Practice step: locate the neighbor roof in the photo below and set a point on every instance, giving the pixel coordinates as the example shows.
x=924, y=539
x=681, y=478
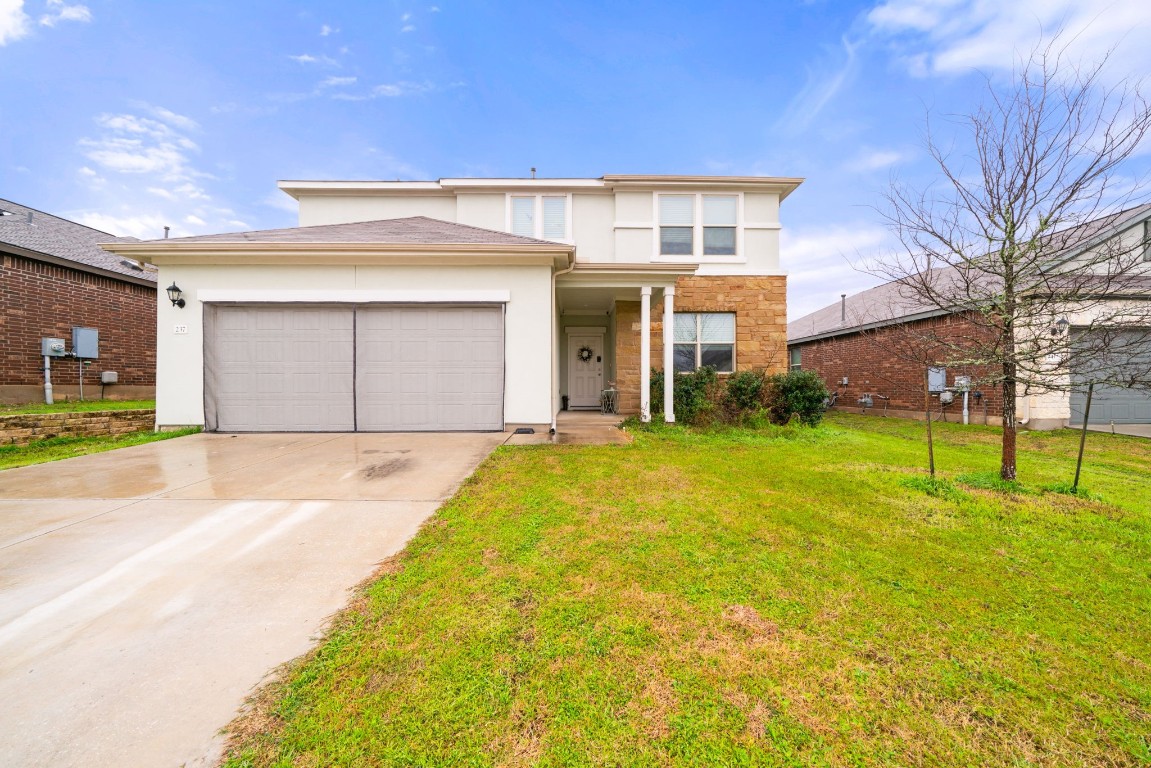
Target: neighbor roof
x=414, y=230
x=895, y=302
x=34, y=234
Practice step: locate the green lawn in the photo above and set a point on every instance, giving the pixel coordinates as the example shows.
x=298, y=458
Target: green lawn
x=77, y=405
x=780, y=597
x=57, y=448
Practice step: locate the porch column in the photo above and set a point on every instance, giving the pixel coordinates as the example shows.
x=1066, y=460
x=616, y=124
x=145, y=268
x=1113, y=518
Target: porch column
x=645, y=353
x=668, y=359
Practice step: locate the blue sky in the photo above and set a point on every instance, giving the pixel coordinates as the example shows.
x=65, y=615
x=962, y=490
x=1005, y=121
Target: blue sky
x=128, y=114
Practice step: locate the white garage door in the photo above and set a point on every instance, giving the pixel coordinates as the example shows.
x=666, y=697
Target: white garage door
x=341, y=369
x=280, y=369
x=1121, y=405
x=429, y=368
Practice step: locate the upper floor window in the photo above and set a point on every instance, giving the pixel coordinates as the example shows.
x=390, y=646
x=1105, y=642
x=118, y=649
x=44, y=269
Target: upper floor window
x=698, y=225
x=544, y=217
x=1147, y=240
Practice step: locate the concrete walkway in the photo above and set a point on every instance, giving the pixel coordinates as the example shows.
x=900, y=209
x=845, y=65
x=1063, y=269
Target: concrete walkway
x=579, y=428
x=144, y=592
x=1134, y=430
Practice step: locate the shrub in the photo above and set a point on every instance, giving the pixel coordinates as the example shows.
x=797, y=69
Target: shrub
x=796, y=393
x=695, y=395
x=745, y=390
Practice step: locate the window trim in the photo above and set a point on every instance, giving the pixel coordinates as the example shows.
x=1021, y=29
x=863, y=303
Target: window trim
x=699, y=342
x=795, y=359
x=697, y=255
x=538, y=214
x=1146, y=242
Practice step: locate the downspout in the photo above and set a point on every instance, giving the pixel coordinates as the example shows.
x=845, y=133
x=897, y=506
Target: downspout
x=1026, y=410
x=555, y=341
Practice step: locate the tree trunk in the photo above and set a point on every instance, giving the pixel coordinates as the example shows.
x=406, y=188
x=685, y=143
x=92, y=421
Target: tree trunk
x=1007, y=456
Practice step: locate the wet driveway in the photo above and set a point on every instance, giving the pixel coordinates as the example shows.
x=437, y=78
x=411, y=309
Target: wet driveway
x=145, y=591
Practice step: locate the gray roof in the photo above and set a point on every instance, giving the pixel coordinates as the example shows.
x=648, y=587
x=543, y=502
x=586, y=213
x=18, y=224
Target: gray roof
x=61, y=240
x=894, y=301
x=415, y=230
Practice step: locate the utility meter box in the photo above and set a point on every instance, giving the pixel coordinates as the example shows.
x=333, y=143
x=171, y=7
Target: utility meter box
x=963, y=383
x=50, y=347
x=109, y=377
x=86, y=343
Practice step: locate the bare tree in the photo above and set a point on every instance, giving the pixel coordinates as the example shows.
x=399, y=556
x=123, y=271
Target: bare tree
x=1018, y=234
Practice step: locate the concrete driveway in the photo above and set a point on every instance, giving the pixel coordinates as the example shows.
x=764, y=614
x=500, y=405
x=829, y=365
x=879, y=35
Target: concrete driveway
x=144, y=592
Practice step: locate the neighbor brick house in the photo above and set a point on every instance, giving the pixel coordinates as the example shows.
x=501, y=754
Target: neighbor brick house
x=874, y=340
x=54, y=276
x=469, y=303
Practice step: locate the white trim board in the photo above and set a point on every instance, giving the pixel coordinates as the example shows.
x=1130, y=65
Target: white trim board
x=352, y=296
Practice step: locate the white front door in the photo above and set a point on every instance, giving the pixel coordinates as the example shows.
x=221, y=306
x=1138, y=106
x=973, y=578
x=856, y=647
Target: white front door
x=585, y=376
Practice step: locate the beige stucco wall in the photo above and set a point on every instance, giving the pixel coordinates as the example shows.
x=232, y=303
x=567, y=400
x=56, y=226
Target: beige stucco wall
x=487, y=210
x=344, y=209
x=528, y=324
x=592, y=220
x=606, y=226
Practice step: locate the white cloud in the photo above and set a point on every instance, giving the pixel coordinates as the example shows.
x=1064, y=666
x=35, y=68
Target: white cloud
x=307, y=58
x=406, y=17
x=337, y=82
x=821, y=87
x=143, y=226
x=13, y=21
x=58, y=11
x=388, y=90
x=877, y=159
x=408, y=28
x=434, y=9
x=195, y=221
x=824, y=263
x=957, y=36
x=326, y=30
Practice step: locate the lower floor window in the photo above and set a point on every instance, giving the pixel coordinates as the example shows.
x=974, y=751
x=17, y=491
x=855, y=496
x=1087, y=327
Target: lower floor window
x=704, y=338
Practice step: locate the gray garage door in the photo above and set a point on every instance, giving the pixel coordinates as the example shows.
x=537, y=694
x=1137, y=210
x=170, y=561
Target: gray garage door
x=1118, y=404
x=342, y=369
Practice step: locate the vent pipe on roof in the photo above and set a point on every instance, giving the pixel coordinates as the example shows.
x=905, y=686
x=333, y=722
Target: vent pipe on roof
x=843, y=308
x=533, y=173
x=29, y=217
x=166, y=232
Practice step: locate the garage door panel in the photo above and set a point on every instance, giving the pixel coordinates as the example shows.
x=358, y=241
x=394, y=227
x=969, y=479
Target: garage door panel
x=417, y=368
x=1118, y=404
x=279, y=369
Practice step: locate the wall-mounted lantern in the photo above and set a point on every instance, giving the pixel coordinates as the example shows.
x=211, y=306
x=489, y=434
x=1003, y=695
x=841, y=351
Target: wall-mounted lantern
x=176, y=295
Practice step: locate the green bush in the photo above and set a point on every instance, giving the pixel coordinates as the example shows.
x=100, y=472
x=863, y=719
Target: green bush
x=745, y=397
x=798, y=394
x=695, y=396
x=745, y=390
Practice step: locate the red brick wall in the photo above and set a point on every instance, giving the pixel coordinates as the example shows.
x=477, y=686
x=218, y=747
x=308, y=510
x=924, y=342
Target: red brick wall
x=38, y=299
x=876, y=362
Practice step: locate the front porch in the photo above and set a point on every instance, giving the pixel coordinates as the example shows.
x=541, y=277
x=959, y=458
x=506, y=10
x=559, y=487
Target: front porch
x=606, y=316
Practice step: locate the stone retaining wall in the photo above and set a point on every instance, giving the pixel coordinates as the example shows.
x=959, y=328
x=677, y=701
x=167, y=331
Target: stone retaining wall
x=24, y=428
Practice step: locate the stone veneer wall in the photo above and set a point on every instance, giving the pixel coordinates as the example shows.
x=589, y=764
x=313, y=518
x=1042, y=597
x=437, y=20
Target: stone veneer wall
x=24, y=428
x=760, y=307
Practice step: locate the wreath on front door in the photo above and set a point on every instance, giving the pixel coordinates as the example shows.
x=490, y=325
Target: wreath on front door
x=585, y=354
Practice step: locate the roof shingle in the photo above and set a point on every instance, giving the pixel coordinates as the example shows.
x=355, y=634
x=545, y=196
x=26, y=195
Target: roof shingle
x=63, y=239
x=414, y=230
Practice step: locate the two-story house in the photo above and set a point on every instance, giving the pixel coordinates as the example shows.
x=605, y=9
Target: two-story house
x=468, y=304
